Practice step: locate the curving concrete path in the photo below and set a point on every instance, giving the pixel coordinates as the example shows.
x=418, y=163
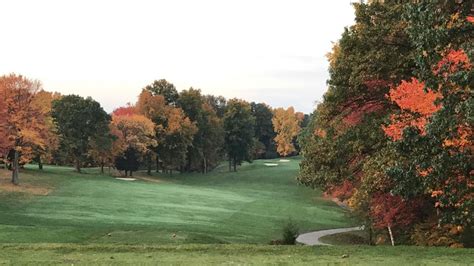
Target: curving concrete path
x=312, y=238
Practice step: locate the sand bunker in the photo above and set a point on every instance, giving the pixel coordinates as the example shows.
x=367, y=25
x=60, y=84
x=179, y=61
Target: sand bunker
x=126, y=178
x=271, y=164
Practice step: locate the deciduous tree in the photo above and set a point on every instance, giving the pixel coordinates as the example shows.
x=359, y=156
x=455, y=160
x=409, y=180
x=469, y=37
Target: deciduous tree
x=24, y=121
x=165, y=89
x=239, y=132
x=264, y=132
x=286, y=124
x=79, y=121
x=205, y=151
x=43, y=102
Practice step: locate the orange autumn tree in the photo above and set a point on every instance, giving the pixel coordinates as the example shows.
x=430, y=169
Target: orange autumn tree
x=286, y=124
x=137, y=130
x=24, y=122
x=43, y=102
x=416, y=105
x=442, y=121
x=174, y=131
x=5, y=143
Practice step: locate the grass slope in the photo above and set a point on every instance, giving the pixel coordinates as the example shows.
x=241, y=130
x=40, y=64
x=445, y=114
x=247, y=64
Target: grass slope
x=249, y=206
x=240, y=254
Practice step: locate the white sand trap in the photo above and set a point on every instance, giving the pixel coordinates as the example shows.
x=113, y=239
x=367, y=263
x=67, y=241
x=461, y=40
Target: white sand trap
x=126, y=178
x=271, y=164
x=284, y=160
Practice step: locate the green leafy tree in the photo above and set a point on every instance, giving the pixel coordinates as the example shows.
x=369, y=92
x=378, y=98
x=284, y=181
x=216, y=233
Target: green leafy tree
x=204, y=153
x=174, y=130
x=218, y=103
x=79, y=121
x=441, y=32
x=165, y=89
x=264, y=129
x=345, y=132
x=239, y=132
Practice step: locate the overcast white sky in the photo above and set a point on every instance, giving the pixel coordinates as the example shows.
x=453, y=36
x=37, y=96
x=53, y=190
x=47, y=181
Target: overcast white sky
x=266, y=51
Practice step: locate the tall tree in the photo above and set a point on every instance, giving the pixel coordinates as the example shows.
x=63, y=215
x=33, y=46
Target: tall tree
x=264, y=132
x=287, y=126
x=138, y=133
x=79, y=121
x=239, y=132
x=204, y=152
x=105, y=149
x=346, y=134
x=5, y=142
x=441, y=119
x=128, y=161
x=177, y=137
x=43, y=101
x=165, y=89
x=218, y=103
x=400, y=82
x=174, y=131
x=23, y=121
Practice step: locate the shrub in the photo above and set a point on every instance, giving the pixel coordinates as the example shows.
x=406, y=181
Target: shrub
x=290, y=233
x=429, y=234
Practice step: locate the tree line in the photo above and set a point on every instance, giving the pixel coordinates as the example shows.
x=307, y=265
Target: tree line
x=393, y=136
x=164, y=131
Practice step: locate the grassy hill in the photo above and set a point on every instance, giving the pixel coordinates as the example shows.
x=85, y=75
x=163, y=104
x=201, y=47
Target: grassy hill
x=59, y=217
x=57, y=205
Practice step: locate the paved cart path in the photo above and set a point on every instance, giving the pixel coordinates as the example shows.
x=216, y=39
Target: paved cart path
x=312, y=238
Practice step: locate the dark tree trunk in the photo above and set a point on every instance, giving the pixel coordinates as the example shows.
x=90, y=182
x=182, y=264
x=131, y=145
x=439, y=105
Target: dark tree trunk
x=235, y=165
x=149, y=165
x=78, y=165
x=370, y=236
x=40, y=163
x=15, y=168
x=102, y=164
x=157, y=164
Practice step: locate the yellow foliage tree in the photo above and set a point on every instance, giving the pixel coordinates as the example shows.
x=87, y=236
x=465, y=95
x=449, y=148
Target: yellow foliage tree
x=24, y=122
x=43, y=102
x=286, y=124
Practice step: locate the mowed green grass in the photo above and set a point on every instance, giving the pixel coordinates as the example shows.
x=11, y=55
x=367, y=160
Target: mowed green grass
x=229, y=254
x=250, y=206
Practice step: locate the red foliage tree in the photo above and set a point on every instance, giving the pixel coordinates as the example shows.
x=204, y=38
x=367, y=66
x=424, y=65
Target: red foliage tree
x=128, y=110
x=453, y=61
x=343, y=191
x=389, y=211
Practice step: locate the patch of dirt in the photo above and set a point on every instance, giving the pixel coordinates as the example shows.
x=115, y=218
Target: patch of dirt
x=23, y=187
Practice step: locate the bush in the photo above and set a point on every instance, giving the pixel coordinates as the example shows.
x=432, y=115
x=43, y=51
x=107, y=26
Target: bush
x=290, y=233
x=467, y=236
x=429, y=234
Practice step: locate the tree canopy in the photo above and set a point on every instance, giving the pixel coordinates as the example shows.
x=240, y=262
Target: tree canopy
x=79, y=121
x=392, y=134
